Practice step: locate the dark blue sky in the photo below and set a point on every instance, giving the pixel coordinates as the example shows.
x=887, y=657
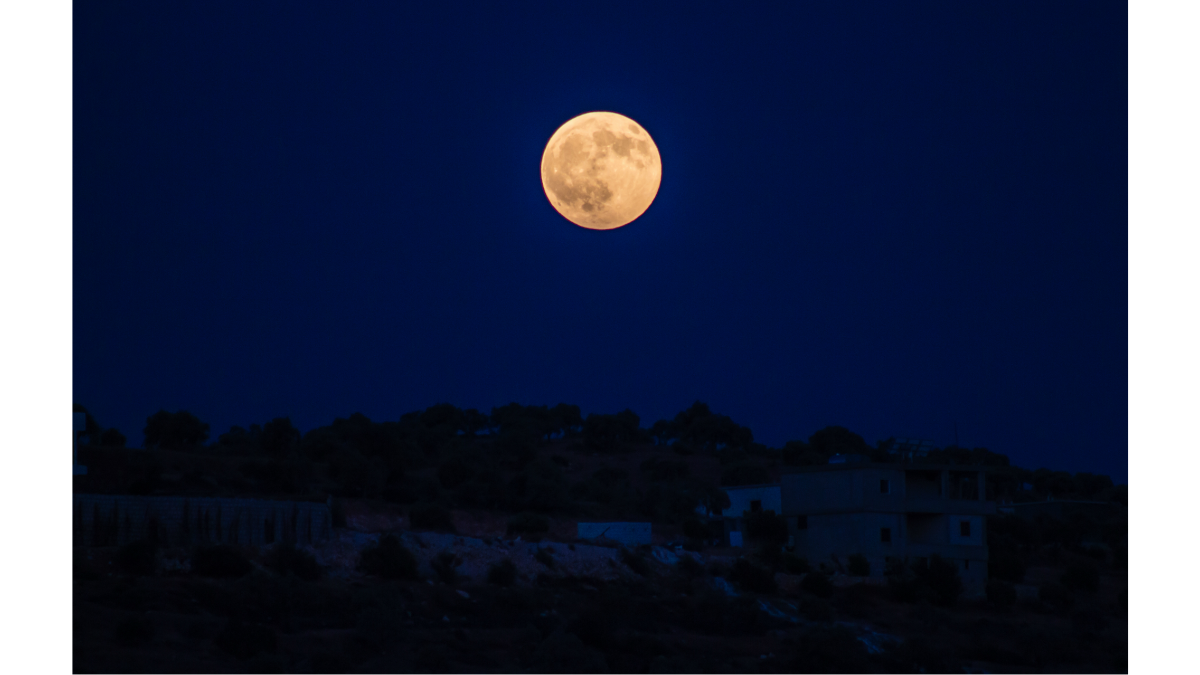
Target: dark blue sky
x=895, y=217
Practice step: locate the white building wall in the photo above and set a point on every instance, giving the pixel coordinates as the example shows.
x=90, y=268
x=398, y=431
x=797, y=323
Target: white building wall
x=740, y=498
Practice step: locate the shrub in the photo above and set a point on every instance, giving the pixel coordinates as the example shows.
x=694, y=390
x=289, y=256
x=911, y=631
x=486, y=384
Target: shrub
x=818, y=584
x=717, y=569
x=694, y=529
x=694, y=545
x=941, y=577
x=1005, y=564
x=859, y=566
x=431, y=517
x=1081, y=576
x=1056, y=596
x=770, y=555
x=455, y=471
x=337, y=512
x=793, y=564
x=134, y=631
x=82, y=568
x=766, y=527
x=443, y=565
x=221, y=561
x=528, y=523
x=544, y=556
x=138, y=557
x=245, y=640
x=635, y=562
x=752, y=578
x=284, y=559
x=1001, y=593
x=816, y=610
x=689, y=566
x=388, y=559
x=503, y=573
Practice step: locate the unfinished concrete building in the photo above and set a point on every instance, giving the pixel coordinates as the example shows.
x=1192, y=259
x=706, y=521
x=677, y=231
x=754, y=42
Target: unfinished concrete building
x=884, y=511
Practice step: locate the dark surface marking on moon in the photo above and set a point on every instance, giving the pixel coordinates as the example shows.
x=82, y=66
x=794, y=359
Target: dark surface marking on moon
x=619, y=144
x=634, y=128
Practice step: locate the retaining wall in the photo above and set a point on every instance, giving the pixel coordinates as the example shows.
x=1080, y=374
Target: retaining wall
x=112, y=520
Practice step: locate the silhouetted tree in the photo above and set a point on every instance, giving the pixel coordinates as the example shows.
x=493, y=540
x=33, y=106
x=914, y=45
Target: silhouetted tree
x=700, y=428
x=835, y=440
x=280, y=438
x=174, y=431
x=608, y=432
x=111, y=438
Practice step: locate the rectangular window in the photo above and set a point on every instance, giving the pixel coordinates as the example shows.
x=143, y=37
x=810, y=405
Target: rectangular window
x=885, y=535
x=755, y=506
x=964, y=528
x=801, y=522
x=885, y=487
x=967, y=565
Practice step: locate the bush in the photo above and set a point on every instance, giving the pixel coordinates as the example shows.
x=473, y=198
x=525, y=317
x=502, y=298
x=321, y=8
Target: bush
x=752, y=577
x=528, y=523
x=694, y=545
x=134, y=631
x=1081, y=576
x=818, y=584
x=388, y=559
x=1005, y=564
x=635, y=562
x=503, y=573
x=284, y=559
x=1001, y=593
x=1056, y=596
x=767, y=528
x=443, y=565
x=431, y=517
x=337, y=512
x=82, y=568
x=694, y=529
x=858, y=565
x=543, y=556
x=221, y=561
x=941, y=577
x=138, y=557
x=689, y=566
x=246, y=640
x=793, y=564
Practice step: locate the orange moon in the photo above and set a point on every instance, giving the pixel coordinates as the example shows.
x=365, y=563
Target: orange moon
x=601, y=170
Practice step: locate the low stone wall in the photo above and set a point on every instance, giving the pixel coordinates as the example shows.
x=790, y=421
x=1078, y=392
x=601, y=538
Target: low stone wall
x=630, y=534
x=113, y=520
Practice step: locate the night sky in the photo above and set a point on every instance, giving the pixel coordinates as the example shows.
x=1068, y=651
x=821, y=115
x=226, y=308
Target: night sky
x=901, y=218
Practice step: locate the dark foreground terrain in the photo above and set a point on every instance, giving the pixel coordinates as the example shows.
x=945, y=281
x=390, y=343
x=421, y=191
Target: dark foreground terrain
x=240, y=616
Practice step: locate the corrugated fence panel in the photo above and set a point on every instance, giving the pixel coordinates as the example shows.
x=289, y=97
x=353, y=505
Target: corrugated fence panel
x=112, y=520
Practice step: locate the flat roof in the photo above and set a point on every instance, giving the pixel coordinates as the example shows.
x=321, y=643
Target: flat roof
x=856, y=466
x=753, y=485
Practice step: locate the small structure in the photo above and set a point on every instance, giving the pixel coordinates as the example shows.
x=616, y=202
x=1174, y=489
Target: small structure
x=629, y=534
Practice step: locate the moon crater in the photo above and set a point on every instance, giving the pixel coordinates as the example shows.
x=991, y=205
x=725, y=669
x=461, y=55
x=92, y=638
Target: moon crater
x=601, y=170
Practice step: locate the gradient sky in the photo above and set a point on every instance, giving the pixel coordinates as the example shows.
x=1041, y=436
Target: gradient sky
x=900, y=218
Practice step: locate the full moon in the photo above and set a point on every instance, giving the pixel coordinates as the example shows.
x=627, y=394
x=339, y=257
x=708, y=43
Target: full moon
x=601, y=170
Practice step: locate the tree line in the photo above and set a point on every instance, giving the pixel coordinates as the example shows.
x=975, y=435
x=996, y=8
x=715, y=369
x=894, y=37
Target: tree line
x=365, y=453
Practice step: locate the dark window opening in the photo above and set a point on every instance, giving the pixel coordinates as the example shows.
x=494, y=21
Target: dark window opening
x=885, y=535
x=967, y=565
x=964, y=528
x=755, y=505
x=801, y=522
x=885, y=486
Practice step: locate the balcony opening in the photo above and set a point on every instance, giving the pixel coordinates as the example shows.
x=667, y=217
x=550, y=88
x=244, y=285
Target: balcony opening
x=964, y=528
x=801, y=522
x=755, y=505
x=885, y=486
x=885, y=535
